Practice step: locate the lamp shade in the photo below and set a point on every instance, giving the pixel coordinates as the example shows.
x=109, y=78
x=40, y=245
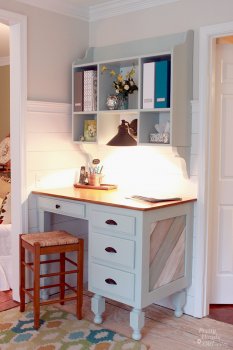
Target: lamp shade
x=123, y=137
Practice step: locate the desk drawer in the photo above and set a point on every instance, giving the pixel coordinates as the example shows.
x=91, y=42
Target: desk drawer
x=62, y=207
x=113, y=250
x=112, y=281
x=113, y=222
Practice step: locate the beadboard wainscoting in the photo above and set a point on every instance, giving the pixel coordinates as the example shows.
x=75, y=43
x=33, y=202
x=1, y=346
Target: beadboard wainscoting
x=52, y=157
x=54, y=160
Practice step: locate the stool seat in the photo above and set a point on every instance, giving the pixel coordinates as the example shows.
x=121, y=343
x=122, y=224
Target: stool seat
x=51, y=238
x=46, y=243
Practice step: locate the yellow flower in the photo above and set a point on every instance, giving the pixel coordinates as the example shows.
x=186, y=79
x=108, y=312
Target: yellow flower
x=131, y=73
x=122, y=84
x=120, y=77
x=103, y=69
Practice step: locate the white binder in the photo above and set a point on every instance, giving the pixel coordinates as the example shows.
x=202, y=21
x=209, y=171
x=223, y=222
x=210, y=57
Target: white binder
x=148, y=85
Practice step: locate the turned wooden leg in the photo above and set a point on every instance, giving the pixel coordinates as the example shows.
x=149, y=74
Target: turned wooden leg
x=98, y=307
x=137, y=320
x=179, y=300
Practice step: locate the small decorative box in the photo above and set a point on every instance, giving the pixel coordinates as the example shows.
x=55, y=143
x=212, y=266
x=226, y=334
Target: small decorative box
x=162, y=137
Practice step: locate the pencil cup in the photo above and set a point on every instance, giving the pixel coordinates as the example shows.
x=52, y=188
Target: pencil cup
x=94, y=179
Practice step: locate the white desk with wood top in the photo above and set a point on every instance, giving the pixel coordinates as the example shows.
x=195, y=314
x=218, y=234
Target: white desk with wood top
x=138, y=252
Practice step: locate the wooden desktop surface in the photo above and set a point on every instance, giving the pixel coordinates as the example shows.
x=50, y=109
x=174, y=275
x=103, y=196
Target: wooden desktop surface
x=113, y=198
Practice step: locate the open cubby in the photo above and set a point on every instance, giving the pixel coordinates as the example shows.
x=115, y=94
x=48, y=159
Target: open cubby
x=148, y=120
x=78, y=126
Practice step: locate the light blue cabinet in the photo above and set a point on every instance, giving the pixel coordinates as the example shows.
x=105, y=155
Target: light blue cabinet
x=138, y=253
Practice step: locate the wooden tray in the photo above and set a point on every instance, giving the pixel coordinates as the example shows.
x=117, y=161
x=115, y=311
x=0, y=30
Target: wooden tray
x=101, y=187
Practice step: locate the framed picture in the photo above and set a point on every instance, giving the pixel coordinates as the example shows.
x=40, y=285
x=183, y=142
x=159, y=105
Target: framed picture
x=90, y=129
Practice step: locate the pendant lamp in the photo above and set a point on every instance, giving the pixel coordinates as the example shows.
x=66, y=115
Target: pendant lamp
x=124, y=137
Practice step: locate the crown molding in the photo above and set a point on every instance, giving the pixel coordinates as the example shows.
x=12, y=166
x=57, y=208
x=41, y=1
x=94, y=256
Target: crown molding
x=119, y=7
x=60, y=6
x=96, y=12
x=4, y=61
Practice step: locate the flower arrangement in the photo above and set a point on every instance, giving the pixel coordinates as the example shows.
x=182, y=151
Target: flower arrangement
x=122, y=85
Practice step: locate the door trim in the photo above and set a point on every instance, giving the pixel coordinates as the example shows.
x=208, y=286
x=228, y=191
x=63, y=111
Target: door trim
x=18, y=102
x=206, y=63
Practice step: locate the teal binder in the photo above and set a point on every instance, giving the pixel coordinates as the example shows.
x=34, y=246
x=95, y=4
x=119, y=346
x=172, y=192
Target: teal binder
x=162, y=83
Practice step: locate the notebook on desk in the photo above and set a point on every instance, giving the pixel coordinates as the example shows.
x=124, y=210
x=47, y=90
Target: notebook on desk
x=154, y=200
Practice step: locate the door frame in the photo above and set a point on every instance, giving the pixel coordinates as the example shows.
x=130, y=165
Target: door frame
x=206, y=65
x=18, y=109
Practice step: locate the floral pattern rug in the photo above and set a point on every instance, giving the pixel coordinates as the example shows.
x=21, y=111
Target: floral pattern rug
x=59, y=330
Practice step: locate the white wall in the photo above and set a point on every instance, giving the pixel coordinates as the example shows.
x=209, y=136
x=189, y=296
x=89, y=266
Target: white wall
x=54, y=42
x=54, y=160
x=52, y=157
x=162, y=20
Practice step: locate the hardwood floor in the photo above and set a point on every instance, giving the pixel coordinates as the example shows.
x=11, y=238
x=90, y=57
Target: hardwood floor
x=162, y=331
x=223, y=313
x=6, y=301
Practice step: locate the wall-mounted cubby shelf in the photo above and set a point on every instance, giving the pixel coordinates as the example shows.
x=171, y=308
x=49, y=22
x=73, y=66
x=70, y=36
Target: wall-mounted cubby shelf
x=177, y=51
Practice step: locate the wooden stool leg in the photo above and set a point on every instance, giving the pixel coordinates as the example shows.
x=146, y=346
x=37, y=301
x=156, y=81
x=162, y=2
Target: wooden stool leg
x=62, y=277
x=22, y=275
x=36, y=296
x=80, y=280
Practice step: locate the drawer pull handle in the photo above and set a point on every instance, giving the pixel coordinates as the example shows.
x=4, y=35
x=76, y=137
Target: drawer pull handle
x=57, y=206
x=110, y=250
x=111, y=222
x=110, y=281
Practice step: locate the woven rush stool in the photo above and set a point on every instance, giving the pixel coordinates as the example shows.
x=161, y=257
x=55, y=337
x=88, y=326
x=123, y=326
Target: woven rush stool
x=51, y=243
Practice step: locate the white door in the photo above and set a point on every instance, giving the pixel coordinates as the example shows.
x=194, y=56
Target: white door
x=222, y=186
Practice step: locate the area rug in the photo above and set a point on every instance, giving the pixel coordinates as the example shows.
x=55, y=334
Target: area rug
x=59, y=330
